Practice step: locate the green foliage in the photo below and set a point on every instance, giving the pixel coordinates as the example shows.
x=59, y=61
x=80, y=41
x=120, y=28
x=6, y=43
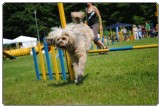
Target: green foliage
x=19, y=19
x=138, y=20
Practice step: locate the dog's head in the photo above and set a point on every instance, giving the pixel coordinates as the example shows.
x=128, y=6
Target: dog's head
x=52, y=36
x=65, y=40
x=77, y=16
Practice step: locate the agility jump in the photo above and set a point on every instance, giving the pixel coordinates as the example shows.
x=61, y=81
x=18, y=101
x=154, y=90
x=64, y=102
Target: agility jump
x=124, y=48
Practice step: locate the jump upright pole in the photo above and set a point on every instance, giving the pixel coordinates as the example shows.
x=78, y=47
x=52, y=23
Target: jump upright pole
x=124, y=48
x=63, y=23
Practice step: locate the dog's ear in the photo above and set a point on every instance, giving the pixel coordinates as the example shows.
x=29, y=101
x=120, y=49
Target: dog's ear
x=70, y=36
x=51, y=38
x=73, y=14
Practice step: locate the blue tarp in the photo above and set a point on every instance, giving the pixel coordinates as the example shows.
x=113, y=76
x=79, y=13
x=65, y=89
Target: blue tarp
x=118, y=25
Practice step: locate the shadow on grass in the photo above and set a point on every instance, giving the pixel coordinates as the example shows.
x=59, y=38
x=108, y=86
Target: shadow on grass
x=66, y=82
x=98, y=54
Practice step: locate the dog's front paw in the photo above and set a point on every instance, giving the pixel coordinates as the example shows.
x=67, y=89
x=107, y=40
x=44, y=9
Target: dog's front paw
x=78, y=80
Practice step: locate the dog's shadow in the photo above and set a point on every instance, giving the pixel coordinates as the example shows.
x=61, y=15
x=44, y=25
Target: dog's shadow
x=66, y=82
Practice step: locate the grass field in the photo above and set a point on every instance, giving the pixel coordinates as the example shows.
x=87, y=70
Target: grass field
x=119, y=78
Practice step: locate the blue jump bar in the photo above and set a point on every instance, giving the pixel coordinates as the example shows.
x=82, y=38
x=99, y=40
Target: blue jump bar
x=122, y=48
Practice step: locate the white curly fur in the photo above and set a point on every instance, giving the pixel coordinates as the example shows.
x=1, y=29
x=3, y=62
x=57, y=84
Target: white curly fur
x=76, y=39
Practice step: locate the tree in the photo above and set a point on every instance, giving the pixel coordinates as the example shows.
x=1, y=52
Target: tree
x=18, y=18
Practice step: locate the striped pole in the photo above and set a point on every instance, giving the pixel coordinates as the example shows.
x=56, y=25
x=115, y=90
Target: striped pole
x=145, y=46
x=63, y=24
x=124, y=48
x=47, y=59
x=55, y=62
x=62, y=64
x=35, y=63
x=41, y=61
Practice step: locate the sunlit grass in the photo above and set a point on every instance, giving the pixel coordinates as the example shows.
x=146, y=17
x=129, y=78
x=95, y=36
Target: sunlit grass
x=119, y=78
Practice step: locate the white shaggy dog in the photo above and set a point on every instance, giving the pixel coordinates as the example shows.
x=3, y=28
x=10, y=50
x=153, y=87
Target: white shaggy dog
x=76, y=39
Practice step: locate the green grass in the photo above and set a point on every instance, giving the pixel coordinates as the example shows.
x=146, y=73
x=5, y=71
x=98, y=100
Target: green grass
x=119, y=78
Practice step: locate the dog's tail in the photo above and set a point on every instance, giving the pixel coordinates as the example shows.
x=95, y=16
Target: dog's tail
x=77, y=17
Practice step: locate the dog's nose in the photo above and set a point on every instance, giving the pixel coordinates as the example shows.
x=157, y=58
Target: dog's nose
x=59, y=40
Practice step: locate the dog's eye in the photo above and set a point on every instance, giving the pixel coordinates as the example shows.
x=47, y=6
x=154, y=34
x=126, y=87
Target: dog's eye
x=58, y=39
x=63, y=38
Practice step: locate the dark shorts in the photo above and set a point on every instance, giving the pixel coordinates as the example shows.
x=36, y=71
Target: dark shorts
x=95, y=27
x=143, y=33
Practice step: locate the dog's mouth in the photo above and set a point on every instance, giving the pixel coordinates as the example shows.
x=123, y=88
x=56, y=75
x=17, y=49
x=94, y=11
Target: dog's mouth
x=61, y=46
x=77, y=18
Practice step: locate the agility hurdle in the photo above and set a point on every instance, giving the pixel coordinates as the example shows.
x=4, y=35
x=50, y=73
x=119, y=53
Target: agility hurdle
x=124, y=48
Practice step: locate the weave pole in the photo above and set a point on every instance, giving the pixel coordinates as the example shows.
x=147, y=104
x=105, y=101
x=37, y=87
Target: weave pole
x=55, y=62
x=63, y=24
x=62, y=64
x=41, y=62
x=55, y=65
x=124, y=48
x=35, y=63
x=47, y=59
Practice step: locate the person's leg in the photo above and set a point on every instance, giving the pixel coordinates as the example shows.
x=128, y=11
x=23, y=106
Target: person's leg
x=141, y=34
x=134, y=36
x=97, y=41
x=125, y=36
x=137, y=36
x=100, y=44
x=147, y=34
x=144, y=34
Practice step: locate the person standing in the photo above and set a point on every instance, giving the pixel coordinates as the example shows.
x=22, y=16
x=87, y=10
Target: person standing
x=143, y=32
x=92, y=17
x=147, y=29
x=124, y=31
x=135, y=32
x=155, y=31
x=140, y=31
